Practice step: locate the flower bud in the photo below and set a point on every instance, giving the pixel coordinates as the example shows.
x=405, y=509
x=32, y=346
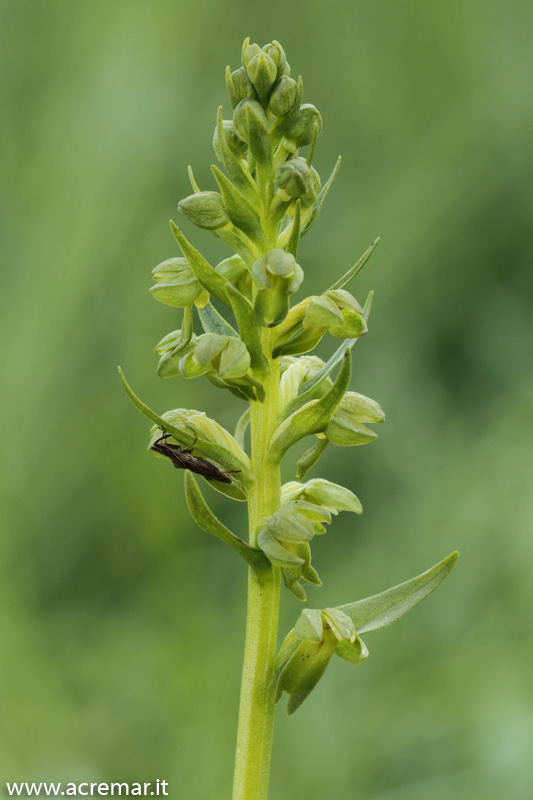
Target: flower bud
x=278, y=276
x=236, y=145
x=176, y=284
x=347, y=427
x=298, y=180
x=249, y=52
x=240, y=121
x=283, y=96
x=242, y=85
x=262, y=71
x=277, y=54
x=205, y=209
x=303, y=126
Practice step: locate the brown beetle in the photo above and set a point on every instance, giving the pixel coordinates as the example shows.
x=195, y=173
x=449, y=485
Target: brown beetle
x=183, y=459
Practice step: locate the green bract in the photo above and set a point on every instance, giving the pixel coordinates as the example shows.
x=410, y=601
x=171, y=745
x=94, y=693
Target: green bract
x=241, y=329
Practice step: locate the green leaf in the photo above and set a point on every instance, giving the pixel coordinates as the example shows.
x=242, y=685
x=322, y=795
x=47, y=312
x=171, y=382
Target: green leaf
x=261, y=150
x=308, y=459
x=206, y=274
x=206, y=520
x=240, y=177
x=213, y=322
x=312, y=417
x=240, y=211
x=306, y=388
x=383, y=609
x=294, y=238
x=347, y=277
x=242, y=427
x=248, y=327
x=319, y=202
x=239, y=243
x=192, y=180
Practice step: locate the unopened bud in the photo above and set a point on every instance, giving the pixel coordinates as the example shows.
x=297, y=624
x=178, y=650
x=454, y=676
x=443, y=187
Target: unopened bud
x=303, y=126
x=242, y=85
x=283, y=96
x=277, y=54
x=240, y=117
x=262, y=71
x=205, y=209
x=298, y=180
x=249, y=52
x=236, y=145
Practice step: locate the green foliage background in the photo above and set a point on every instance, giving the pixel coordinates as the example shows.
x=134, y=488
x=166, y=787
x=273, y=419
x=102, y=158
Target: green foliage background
x=121, y=624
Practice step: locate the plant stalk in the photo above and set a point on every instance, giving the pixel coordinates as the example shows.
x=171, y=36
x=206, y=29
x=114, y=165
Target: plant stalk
x=256, y=710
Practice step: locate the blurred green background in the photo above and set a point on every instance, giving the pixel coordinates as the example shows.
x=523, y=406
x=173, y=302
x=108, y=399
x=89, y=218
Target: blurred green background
x=122, y=624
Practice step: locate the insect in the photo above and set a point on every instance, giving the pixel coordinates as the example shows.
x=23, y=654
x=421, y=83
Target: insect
x=183, y=459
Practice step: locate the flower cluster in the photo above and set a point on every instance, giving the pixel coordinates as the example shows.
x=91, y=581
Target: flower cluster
x=241, y=331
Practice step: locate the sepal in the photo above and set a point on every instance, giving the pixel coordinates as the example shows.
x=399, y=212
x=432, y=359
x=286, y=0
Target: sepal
x=338, y=312
x=323, y=493
x=171, y=350
x=235, y=271
x=347, y=426
x=284, y=538
x=226, y=356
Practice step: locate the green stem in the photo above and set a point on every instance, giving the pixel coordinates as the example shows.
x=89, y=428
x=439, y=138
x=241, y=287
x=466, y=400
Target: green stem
x=256, y=711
